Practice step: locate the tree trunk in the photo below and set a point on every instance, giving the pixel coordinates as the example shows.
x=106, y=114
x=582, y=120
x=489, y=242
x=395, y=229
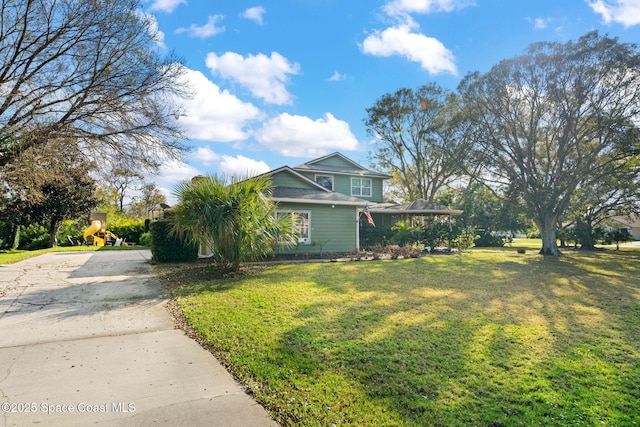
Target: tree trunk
x=53, y=226
x=548, y=234
x=15, y=236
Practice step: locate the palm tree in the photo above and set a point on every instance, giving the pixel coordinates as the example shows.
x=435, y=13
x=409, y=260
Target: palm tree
x=236, y=220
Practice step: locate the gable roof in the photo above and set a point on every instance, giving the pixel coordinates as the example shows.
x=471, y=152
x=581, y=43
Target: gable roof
x=344, y=166
x=632, y=221
x=316, y=197
x=309, y=192
x=297, y=176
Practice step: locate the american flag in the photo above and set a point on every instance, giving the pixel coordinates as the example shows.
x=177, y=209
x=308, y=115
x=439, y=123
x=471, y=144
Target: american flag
x=367, y=213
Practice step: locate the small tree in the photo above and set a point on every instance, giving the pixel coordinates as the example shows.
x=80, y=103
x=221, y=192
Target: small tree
x=49, y=183
x=236, y=220
x=121, y=180
x=150, y=199
x=619, y=235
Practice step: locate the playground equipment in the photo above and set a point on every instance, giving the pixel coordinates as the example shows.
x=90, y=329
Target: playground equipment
x=98, y=235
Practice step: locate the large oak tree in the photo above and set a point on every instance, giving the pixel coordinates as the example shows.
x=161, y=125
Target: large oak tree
x=558, y=118
x=86, y=71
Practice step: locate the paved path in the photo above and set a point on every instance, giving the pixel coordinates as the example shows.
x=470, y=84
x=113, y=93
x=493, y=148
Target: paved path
x=85, y=336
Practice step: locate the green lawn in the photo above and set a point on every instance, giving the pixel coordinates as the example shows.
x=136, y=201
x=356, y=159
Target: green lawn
x=487, y=338
x=13, y=256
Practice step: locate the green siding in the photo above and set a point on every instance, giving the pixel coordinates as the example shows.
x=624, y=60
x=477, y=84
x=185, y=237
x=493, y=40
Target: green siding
x=377, y=191
x=336, y=161
x=336, y=226
x=311, y=175
x=286, y=179
x=342, y=184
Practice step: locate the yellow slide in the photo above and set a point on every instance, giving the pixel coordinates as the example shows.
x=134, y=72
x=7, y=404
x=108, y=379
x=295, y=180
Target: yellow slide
x=107, y=237
x=95, y=227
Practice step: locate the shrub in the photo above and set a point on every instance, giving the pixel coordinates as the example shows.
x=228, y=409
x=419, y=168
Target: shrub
x=486, y=239
x=404, y=234
x=145, y=239
x=437, y=234
x=127, y=228
x=372, y=236
x=167, y=248
x=70, y=229
x=34, y=237
x=465, y=239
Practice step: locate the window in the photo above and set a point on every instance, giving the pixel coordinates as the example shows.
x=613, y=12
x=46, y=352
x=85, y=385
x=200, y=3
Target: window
x=361, y=187
x=301, y=224
x=326, y=181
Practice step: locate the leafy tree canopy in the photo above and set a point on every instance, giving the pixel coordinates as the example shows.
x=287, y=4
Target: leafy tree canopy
x=558, y=118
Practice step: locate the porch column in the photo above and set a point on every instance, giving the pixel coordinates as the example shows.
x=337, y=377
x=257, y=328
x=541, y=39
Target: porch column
x=357, y=229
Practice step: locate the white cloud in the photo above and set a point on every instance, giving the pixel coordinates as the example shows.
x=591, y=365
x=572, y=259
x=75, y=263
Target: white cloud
x=166, y=5
x=401, y=7
x=207, y=30
x=626, y=12
x=255, y=14
x=173, y=171
x=429, y=52
x=540, y=23
x=213, y=114
x=170, y=173
x=205, y=155
x=264, y=76
x=229, y=166
x=300, y=136
x=241, y=166
x=152, y=25
x=336, y=76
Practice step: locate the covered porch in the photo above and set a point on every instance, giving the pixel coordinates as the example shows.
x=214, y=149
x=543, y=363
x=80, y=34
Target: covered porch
x=413, y=213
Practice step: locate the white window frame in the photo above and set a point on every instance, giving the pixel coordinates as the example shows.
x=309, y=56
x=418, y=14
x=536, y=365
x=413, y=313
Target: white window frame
x=299, y=229
x=324, y=176
x=360, y=187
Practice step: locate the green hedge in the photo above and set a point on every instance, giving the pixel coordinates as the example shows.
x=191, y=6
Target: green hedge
x=165, y=248
x=128, y=229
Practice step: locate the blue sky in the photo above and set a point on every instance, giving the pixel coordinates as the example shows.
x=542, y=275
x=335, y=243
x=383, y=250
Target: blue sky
x=281, y=82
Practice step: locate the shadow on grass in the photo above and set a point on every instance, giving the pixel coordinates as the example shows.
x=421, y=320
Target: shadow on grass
x=469, y=340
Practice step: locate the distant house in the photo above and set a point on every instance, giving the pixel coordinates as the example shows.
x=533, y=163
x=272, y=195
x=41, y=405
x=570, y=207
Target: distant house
x=327, y=198
x=632, y=224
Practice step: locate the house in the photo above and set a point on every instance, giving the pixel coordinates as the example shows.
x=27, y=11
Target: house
x=326, y=198
x=632, y=224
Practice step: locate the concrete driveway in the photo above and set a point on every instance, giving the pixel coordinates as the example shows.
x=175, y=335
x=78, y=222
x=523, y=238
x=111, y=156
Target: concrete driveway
x=85, y=339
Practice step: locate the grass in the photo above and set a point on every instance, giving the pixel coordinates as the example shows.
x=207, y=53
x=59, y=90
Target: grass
x=488, y=338
x=13, y=256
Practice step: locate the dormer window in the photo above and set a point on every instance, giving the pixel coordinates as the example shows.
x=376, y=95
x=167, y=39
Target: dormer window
x=326, y=181
x=361, y=187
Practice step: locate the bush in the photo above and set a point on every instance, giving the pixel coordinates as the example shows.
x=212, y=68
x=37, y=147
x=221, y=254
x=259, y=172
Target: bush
x=372, y=236
x=437, y=234
x=488, y=240
x=166, y=248
x=34, y=237
x=465, y=240
x=128, y=229
x=70, y=229
x=145, y=239
x=404, y=234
